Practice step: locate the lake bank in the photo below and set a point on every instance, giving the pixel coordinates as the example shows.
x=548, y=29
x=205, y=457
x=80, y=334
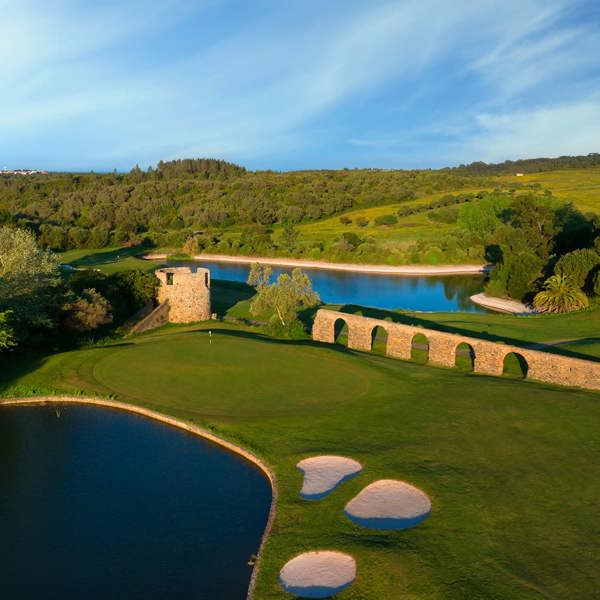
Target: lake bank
x=502, y=305
x=418, y=270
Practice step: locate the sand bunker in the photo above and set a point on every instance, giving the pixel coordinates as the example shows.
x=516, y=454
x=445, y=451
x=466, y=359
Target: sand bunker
x=322, y=474
x=389, y=504
x=318, y=574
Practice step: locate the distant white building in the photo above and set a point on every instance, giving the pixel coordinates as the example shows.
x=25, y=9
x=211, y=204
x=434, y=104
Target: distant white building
x=519, y=174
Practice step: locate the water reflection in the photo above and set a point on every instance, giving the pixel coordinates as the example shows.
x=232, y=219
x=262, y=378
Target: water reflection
x=101, y=504
x=443, y=293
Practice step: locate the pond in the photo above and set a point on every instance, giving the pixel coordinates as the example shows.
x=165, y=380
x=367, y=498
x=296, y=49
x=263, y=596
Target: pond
x=448, y=293
x=96, y=503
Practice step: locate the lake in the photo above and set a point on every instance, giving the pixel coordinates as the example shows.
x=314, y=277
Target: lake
x=97, y=504
x=447, y=293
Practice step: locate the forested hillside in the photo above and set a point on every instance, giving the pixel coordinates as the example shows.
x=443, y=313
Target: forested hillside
x=179, y=197
x=529, y=165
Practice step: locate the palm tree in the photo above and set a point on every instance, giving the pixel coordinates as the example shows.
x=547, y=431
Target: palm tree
x=559, y=295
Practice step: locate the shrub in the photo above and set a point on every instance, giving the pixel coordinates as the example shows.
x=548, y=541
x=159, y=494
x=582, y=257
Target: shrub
x=578, y=266
x=386, y=220
x=345, y=220
x=560, y=295
x=362, y=221
x=88, y=312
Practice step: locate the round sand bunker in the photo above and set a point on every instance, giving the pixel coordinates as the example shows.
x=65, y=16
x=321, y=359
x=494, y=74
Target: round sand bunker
x=322, y=474
x=318, y=574
x=389, y=504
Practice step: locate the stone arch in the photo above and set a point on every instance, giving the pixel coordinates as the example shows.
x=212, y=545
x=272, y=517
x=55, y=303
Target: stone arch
x=464, y=356
x=419, y=348
x=515, y=365
x=341, y=331
x=379, y=339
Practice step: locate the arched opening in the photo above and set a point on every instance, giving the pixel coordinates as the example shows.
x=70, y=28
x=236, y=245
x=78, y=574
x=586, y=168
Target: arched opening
x=464, y=358
x=419, y=351
x=340, y=332
x=379, y=338
x=515, y=366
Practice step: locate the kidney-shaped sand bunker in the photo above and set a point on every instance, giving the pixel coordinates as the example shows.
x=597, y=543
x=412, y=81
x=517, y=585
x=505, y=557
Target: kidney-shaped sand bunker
x=389, y=504
x=318, y=574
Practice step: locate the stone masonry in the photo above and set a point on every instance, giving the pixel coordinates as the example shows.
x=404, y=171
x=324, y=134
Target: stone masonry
x=186, y=292
x=488, y=356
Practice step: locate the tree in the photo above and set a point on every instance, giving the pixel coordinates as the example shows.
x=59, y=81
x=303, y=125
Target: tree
x=284, y=298
x=29, y=280
x=259, y=275
x=537, y=219
x=516, y=275
x=560, y=295
x=7, y=334
x=289, y=235
x=578, y=266
x=88, y=312
x=483, y=217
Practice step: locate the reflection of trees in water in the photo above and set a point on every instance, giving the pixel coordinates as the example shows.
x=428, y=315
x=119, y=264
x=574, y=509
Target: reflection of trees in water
x=461, y=288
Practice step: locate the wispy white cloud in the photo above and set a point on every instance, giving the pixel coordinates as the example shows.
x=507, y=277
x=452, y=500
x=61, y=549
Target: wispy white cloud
x=449, y=74
x=545, y=131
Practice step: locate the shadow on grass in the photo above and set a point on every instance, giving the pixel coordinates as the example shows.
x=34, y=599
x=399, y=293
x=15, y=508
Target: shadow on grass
x=19, y=365
x=262, y=337
x=226, y=294
x=103, y=257
x=411, y=319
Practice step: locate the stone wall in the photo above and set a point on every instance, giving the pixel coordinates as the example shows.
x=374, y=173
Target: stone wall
x=157, y=317
x=187, y=293
x=488, y=356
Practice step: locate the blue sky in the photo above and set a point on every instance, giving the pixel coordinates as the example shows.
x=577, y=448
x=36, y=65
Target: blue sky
x=297, y=84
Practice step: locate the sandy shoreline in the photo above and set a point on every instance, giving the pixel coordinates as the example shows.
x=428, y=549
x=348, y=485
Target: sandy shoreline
x=329, y=266
x=156, y=416
x=501, y=304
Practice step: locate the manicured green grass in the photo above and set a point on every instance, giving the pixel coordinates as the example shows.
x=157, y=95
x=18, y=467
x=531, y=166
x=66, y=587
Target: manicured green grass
x=512, y=468
x=582, y=327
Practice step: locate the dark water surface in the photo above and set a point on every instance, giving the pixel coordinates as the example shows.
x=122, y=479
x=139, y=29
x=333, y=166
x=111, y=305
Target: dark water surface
x=104, y=504
x=431, y=294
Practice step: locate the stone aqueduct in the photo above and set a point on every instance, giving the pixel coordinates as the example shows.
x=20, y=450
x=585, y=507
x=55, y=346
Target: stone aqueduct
x=488, y=357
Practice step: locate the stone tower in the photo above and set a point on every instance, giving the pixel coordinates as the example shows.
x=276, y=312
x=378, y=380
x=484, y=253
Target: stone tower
x=187, y=293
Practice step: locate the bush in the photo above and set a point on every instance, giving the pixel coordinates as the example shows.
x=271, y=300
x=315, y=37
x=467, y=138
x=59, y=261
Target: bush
x=88, y=312
x=345, y=220
x=578, y=266
x=386, y=220
x=362, y=221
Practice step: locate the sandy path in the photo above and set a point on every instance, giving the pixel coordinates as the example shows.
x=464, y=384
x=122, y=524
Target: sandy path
x=322, y=264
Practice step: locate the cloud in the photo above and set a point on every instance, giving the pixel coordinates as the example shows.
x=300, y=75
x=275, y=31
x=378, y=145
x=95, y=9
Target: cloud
x=396, y=82
x=546, y=131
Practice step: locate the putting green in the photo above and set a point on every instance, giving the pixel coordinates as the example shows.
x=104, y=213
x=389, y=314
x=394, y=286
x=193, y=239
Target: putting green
x=511, y=468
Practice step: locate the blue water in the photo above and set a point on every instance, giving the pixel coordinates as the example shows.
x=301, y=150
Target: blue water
x=101, y=504
x=431, y=294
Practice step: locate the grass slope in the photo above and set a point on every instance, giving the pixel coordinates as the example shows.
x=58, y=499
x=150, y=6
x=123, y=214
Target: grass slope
x=511, y=468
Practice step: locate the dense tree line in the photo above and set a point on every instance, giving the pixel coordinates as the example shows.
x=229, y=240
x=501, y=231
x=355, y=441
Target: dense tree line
x=544, y=250
x=170, y=202
x=529, y=165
